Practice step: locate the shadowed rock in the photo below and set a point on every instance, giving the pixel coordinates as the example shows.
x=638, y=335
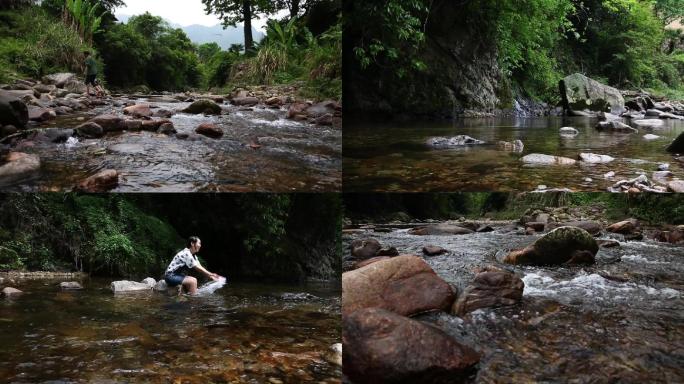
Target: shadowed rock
x=382, y=347
x=103, y=181
x=13, y=111
x=404, y=284
x=203, y=106
x=493, y=288
x=365, y=248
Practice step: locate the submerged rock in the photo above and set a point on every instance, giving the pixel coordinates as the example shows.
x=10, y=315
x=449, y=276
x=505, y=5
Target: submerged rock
x=382, y=347
x=129, y=286
x=580, y=93
x=205, y=106
x=440, y=229
x=18, y=166
x=492, y=288
x=102, y=181
x=541, y=159
x=514, y=146
x=70, y=285
x=452, y=142
x=404, y=284
x=564, y=245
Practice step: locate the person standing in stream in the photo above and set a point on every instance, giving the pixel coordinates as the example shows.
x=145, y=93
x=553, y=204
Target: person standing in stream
x=176, y=273
x=91, y=75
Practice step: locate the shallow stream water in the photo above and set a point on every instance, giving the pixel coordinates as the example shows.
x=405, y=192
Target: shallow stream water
x=243, y=333
x=394, y=157
x=294, y=156
x=618, y=321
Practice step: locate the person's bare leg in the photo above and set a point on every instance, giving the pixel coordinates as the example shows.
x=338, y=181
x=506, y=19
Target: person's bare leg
x=190, y=284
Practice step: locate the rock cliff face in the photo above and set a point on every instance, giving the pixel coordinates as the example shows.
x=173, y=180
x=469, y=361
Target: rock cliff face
x=462, y=73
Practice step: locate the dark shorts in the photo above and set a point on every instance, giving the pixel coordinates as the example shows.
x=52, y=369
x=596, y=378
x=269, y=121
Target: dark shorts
x=91, y=79
x=173, y=279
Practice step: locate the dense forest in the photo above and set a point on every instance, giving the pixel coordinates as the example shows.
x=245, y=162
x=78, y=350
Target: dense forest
x=653, y=208
x=434, y=56
x=146, y=53
x=243, y=235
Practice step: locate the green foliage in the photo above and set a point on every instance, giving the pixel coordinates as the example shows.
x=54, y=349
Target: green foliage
x=9, y=258
x=98, y=234
x=84, y=16
x=34, y=44
x=147, y=51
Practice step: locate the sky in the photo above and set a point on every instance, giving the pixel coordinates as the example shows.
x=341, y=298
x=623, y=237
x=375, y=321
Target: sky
x=183, y=12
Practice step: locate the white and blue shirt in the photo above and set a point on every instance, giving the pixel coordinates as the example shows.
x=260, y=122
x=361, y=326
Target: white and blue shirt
x=182, y=262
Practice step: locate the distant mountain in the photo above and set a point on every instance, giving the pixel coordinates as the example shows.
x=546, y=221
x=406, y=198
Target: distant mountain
x=200, y=34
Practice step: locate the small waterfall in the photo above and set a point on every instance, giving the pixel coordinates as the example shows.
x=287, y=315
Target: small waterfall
x=211, y=286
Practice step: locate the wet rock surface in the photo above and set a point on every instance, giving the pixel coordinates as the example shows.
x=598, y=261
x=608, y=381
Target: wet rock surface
x=490, y=288
x=380, y=346
x=239, y=334
x=260, y=149
x=405, y=285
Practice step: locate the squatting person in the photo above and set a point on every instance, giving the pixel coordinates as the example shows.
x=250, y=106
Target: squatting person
x=181, y=264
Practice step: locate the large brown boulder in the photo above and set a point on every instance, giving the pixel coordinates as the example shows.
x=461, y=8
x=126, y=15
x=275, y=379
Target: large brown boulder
x=493, y=288
x=625, y=227
x=564, y=245
x=365, y=248
x=382, y=347
x=440, y=229
x=13, y=111
x=404, y=284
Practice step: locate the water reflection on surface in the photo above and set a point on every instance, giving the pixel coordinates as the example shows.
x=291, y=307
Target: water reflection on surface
x=394, y=157
x=242, y=333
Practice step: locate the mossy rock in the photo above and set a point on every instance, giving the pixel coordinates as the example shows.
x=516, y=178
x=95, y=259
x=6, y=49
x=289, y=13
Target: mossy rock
x=9, y=259
x=564, y=245
x=203, y=106
x=580, y=93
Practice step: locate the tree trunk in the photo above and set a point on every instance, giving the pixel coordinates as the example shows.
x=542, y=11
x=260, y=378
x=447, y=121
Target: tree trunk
x=247, y=15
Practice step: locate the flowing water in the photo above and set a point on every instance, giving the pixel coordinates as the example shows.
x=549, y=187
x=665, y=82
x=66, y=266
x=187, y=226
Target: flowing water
x=294, y=156
x=249, y=333
x=618, y=321
x=394, y=157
